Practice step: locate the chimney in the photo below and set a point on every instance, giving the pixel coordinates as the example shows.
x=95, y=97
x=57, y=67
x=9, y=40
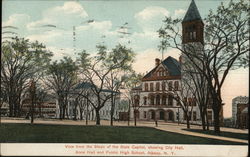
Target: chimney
x=157, y=61
x=180, y=59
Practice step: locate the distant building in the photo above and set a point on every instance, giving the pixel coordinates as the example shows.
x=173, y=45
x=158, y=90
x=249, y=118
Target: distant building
x=4, y=110
x=44, y=109
x=235, y=108
x=242, y=116
x=82, y=109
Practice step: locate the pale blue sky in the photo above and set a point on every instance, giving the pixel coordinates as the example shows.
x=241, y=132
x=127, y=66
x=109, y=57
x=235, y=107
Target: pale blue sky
x=144, y=17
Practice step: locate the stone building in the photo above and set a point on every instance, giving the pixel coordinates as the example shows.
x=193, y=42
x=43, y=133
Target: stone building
x=154, y=99
x=238, y=100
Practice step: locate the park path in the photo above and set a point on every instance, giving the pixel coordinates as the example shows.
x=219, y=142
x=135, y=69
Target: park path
x=171, y=127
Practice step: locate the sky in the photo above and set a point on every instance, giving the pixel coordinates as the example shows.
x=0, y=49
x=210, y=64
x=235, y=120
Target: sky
x=99, y=21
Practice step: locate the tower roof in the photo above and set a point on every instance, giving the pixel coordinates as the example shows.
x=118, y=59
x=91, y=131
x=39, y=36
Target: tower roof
x=192, y=13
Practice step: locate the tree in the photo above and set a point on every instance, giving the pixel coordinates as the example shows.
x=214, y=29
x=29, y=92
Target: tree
x=61, y=78
x=199, y=88
x=131, y=81
x=98, y=71
x=21, y=61
x=184, y=95
x=226, y=47
x=114, y=80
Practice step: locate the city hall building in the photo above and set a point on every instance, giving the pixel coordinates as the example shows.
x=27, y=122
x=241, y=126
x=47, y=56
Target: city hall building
x=154, y=98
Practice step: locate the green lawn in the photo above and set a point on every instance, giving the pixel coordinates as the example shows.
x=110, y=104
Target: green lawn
x=40, y=133
x=223, y=133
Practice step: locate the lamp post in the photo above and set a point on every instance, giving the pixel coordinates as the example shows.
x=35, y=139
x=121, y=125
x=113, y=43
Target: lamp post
x=178, y=116
x=32, y=95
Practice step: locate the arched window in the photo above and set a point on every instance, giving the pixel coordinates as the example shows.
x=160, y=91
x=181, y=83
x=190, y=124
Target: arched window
x=170, y=86
x=151, y=87
x=136, y=100
x=157, y=86
x=170, y=100
x=145, y=100
x=158, y=98
x=191, y=32
x=152, y=100
x=164, y=100
x=163, y=86
x=146, y=86
x=176, y=85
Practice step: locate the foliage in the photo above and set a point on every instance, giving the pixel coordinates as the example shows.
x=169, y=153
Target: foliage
x=21, y=61
x=61, y=77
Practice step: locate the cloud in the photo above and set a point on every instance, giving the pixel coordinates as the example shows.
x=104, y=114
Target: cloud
x=151, y=12
x=67, y=15
x=179, y=12
x=17, y=20
x=71, y=8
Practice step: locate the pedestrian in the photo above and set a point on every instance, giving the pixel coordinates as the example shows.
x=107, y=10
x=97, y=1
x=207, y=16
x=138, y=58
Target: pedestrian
x=156, y=123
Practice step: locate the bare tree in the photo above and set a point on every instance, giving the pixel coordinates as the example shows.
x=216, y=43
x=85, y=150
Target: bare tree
x=132, y=93
x=98, y=71
x=123, y=56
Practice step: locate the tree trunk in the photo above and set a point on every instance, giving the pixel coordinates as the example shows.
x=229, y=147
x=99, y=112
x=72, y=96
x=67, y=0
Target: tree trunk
x=203, y=121
x=129, y=113
x=188, y=124
x=135, y=117
x=207, y=121
x=87, y=112
x=187, y=119
x=10, y=106
x=98, y=120
x=63, y=111
x=75, y=110
x=112, y=109
x=216, y=120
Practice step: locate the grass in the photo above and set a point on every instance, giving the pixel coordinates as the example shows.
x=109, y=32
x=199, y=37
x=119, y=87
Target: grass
x=243, y=136
x=41, y=133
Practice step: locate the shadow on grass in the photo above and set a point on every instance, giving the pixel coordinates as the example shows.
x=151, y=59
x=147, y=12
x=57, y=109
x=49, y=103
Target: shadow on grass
x=243, y=136
x=44, y=133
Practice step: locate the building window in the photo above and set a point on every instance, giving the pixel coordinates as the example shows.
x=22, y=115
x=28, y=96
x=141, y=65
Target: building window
x=152, y=100
x=163, y=86
x=178, y=103
x=136, y=100
x=194, y=102
x=170, y=100
x=191, y=35
x=158, y=100
x=157, y=86
x=194, y=116
x=145, y=100
x=170, y=86
x=145, y=114
x=209, y=116
x=194, y=35
x=151, y=87
x=163, y=100
x=176, y=85
x=146, y=86
x=191, y=32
